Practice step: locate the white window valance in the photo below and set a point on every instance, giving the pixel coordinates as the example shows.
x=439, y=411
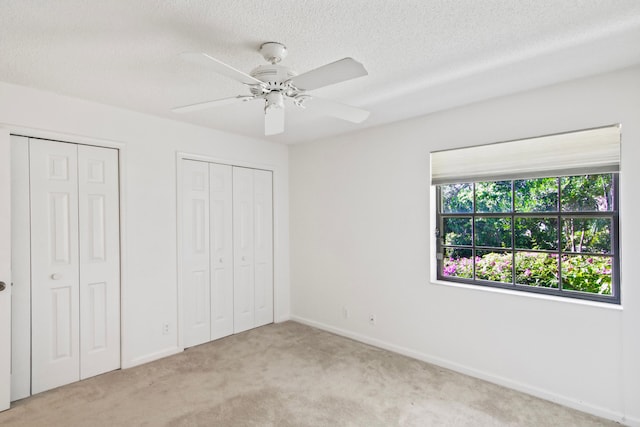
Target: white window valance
x=573, y=153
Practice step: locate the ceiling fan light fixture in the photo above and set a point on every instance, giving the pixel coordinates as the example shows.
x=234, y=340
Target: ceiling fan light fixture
x=274, y=99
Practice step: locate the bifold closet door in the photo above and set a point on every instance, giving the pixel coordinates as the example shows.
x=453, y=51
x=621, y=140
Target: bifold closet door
x=55, y=265
x=263, y=246
x=195, y=253
x=207, y=263
x=253, y=243
x=243, y=268
x=221, y=245
x=227, y=250
x=99, y=231
x=75, y=271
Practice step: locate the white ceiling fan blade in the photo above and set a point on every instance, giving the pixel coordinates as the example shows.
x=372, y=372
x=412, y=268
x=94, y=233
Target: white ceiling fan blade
x=220, y=67
x=210, y=104
x=273, y=121
x=335, y=72
x=336, y=109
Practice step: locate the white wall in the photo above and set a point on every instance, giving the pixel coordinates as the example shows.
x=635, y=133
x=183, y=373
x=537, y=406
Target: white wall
x=360, y=239
x=149, y=146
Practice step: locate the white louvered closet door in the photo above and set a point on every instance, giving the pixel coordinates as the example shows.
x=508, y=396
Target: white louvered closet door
x=196, y=285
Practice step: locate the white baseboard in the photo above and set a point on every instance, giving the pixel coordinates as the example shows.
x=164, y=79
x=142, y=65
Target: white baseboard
x=151, y=357
x=170, y=351
x=282, y=319
x=473, y=372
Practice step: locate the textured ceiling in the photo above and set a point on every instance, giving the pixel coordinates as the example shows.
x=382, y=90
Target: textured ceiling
x=422, y=55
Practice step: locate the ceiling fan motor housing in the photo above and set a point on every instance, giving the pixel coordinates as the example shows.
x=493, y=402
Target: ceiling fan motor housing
x=275, y=78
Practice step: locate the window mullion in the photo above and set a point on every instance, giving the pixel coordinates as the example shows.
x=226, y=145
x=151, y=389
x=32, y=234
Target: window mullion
x=473, y=232
x=513, y=232
x=438, y=232
x=559, y=233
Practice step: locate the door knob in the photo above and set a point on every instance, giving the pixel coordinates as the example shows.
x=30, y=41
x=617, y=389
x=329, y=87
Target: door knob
x=2, y=286
x=56, y=276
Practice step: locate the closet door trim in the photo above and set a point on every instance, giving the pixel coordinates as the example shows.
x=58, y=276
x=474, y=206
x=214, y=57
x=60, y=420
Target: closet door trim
x=21, y=269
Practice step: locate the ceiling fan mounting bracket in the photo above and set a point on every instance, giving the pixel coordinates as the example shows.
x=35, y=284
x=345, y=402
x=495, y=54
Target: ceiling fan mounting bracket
x=273, y=52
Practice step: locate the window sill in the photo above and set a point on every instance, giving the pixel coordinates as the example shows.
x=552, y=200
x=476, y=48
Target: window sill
x=596, y=304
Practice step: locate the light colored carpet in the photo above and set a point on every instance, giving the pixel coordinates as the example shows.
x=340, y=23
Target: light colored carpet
x=288, y=374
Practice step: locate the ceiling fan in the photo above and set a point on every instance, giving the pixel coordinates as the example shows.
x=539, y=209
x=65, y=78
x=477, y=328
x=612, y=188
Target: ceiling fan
x=276, y=84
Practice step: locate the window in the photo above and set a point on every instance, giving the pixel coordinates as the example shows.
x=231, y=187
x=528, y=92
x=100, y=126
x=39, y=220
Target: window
x=517, y=227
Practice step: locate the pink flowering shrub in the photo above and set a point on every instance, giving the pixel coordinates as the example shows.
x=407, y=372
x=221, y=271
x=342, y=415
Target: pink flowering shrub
x=579, y=272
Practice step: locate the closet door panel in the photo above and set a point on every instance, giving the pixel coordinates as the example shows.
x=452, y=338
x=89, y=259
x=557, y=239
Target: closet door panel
x=263, y=247
x=54, y=264
x=221, y=263
x=195, y=253
x=243, y=249
x=99, y=230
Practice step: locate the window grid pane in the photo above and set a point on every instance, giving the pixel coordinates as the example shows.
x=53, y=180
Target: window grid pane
x=506, y=240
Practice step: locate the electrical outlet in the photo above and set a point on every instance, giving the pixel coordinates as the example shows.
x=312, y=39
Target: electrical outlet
x=345, y=312
x=165, y=329
x=372, y=319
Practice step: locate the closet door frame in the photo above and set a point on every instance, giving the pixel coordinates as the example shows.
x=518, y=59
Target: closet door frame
x=27, y=132
x=180, y=156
